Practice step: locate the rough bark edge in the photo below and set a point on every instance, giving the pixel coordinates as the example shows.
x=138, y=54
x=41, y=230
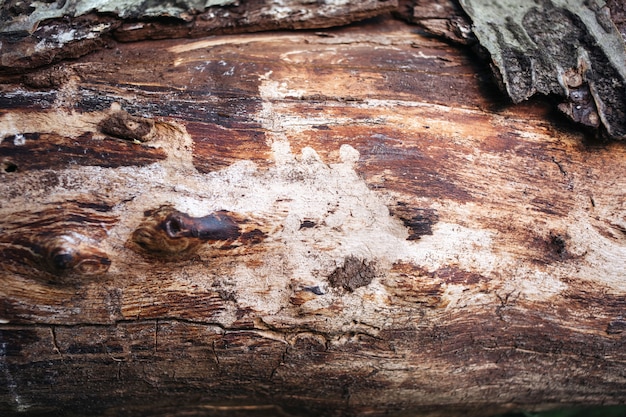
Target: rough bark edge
x=568, y=49
x=40, y=34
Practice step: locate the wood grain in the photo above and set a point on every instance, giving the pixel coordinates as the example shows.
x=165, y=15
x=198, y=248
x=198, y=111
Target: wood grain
x=41, y=33
x=428, y=248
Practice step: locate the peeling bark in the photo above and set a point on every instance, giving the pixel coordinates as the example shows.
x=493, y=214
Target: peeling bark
x=570, y=49
x=397, y=240
x=40, y=33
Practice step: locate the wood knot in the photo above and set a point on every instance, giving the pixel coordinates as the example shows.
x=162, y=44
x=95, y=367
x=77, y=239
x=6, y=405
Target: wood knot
x=616, y=326
x=125, y=126
x=73, y=254
x=169, y=233
x=59, y=243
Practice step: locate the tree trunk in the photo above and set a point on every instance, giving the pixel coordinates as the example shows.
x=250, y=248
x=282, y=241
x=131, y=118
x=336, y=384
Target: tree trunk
x=345, y=222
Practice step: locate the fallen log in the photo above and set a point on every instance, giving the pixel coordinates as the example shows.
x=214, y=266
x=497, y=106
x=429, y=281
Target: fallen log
x=343, y=222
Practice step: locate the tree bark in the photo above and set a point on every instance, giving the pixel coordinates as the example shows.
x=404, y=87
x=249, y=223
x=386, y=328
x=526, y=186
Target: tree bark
x=344, y=222
x=40, y=33
x=570, y=49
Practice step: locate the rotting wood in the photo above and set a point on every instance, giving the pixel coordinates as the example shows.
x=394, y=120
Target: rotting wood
x=479, y=247
x=443, y=18
x=569, y=49
x=39, y=33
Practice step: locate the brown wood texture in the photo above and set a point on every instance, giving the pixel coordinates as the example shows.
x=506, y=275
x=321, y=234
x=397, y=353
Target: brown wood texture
x=40, y=33
x=353, y=221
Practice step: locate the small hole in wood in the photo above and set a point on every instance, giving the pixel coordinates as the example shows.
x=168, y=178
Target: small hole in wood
x=62, y=261
x=173, y=227
x=9, y=167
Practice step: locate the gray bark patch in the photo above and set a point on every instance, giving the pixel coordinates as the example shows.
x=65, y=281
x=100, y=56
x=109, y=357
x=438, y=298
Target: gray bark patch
x=566, y=48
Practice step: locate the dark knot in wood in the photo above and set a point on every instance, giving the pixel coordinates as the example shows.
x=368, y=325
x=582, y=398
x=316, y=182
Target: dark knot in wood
x=169, y=233
x=72, y=254
x=58, y=243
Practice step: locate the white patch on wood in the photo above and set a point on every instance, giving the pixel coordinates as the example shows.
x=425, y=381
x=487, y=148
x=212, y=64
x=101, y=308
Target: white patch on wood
x=7, y=126
x=350, y=219
x=11, y=385
x=19, y=140
x=231, y=40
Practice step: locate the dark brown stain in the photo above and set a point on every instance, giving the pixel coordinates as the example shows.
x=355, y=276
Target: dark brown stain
x=98, y=205
x=558, y=244
x=419, y=221
x=126, y=126
x=551, y=248
x=52, y=77
x=353, y=274
x=50, y=151
x=252, y=237
x=14, y=341
x=616, y=326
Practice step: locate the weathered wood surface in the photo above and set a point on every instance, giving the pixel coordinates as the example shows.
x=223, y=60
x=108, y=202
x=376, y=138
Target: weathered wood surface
x=574, y=50
x=39, y=33
x=397, y=239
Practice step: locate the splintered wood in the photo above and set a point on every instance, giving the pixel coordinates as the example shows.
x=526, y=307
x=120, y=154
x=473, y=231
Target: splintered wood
x=353, y=223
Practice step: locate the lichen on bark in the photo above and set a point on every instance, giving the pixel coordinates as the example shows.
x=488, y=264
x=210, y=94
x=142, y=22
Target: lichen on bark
x=570, y=49
x=15, y=18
